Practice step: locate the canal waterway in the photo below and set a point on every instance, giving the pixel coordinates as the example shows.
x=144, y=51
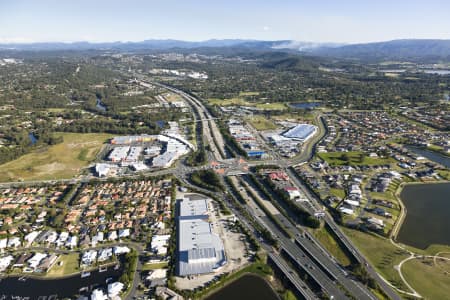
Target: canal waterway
x=15, y=287
x=431, y=155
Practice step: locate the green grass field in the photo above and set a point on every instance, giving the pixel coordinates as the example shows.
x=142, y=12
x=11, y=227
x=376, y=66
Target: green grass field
x=243, y=94
x=261, y=123
x=328, y=241
x=352, y=159
x=64, y=160
x=271, y=106
x=444, y=174
x=148, y=267
x=429, y=280
x=70, y=265
x=381, y=253
x=340, y=193
x=228, y=102
x=240, y=100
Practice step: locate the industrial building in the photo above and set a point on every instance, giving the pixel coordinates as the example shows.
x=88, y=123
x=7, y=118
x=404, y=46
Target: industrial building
x=200, y=250
x=246, y=139
x=301, y=132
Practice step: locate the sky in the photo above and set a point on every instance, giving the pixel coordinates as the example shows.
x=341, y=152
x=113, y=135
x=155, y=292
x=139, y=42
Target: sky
x=341, y=21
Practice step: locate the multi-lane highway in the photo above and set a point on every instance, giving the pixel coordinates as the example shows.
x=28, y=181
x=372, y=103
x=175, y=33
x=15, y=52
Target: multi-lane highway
x=300, y=254
x=215, y=141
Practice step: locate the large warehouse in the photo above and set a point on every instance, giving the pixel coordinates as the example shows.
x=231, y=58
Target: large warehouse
x=300, y=132
x=200, y=250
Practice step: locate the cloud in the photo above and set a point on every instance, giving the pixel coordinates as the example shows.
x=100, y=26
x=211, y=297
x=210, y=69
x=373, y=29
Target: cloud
x=266, y=28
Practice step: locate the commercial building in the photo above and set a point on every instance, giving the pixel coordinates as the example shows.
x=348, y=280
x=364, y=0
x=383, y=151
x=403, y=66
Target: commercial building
x=119, y=154
x=200, y=250
x=129, y=139
x=301, y=132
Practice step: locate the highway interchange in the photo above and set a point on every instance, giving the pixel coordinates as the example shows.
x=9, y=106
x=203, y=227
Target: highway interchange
x=297, y=255
x=303, y=249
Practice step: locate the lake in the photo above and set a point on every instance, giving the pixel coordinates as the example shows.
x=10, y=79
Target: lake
x=33, y=138
x=12, y=287
x=305, y=105
x=100, y=105
x=427, y=219
x=246, y=287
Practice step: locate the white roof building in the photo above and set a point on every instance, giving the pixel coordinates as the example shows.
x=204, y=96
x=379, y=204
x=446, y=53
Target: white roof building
x=52, y=237
x=200, y=250
x=14, y=242
x=98, y=295
x=123, y=233
x=105, y=254
x=5, y=262
x=301, y=132
x=36, y=260
x=115, y=288
x=112, y=236
x=119, y=153
x=102, y=170
x=351, y=202
x=118, y=250
x=376, y=221
x=72, y=242
x=3, y=243
x=347, y=211
x=159, y=244
x=89, y=257
x=62, y=238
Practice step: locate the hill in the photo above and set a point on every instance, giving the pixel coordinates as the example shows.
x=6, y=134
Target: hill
x=415, y=50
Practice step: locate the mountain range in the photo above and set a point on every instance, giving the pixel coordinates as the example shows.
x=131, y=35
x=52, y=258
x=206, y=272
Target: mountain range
x=407, y=49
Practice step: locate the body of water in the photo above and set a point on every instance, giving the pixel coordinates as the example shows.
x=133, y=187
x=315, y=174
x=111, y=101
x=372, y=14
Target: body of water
x=246, y=287
x=427, y=219
x=431, y=155
x=32, y=138
x=438, y=72
x=14, y=287
x=100, y=105
x=305, y=105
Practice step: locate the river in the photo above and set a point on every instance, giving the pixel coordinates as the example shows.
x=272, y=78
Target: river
x=13, y=287
x=427, y=218
x=246, y=287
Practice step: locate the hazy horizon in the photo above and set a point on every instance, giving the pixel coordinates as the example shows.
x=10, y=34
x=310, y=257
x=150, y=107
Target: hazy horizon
x=348, y=22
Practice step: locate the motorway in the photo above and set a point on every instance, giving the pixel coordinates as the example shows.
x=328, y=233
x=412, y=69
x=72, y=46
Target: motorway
x=343, y=238
x=303, y=250
x=215, y=141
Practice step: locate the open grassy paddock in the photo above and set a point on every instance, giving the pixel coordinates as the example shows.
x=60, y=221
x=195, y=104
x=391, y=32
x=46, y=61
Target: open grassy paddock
x=430, y=280
x=70, y=265
x=352, y=159
x=59, y=161
x=242, y=101
x=381, y=253
x=261, y=123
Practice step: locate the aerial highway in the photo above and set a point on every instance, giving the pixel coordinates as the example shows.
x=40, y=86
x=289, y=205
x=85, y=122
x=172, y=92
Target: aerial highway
x=305, y=155
x=300, y=253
